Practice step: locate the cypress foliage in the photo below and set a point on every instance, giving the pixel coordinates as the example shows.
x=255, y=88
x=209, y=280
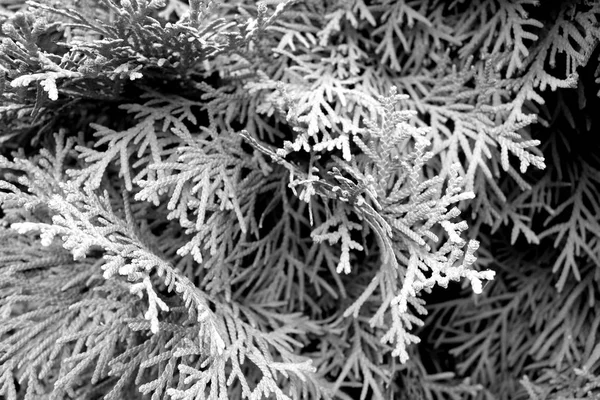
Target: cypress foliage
x=299, y=199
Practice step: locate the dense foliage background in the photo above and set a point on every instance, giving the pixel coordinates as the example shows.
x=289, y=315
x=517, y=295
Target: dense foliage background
x=299, y=199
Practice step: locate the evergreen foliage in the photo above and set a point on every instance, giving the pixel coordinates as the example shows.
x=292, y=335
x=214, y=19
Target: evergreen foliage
x=299, y=199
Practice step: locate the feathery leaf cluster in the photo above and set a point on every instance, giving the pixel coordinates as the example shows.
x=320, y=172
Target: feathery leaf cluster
x=227, y=199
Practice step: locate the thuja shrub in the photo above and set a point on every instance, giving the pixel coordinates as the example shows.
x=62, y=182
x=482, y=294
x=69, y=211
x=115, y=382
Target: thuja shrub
x=308, y=199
